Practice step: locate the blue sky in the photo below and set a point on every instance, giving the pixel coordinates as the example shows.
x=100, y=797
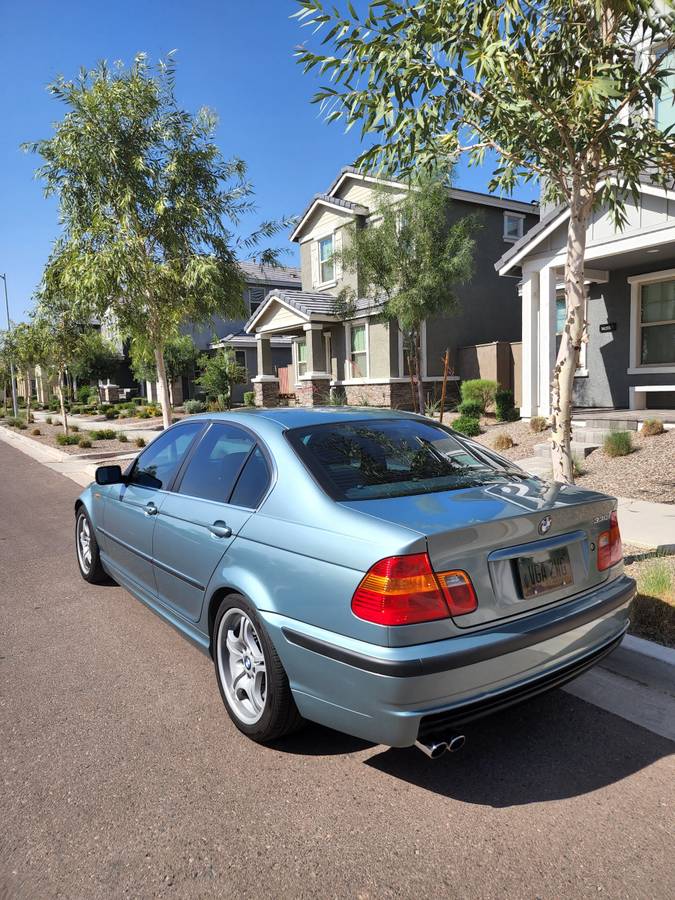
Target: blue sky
x=235, y=57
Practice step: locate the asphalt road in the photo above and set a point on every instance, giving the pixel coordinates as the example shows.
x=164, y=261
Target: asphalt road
x=122, y=775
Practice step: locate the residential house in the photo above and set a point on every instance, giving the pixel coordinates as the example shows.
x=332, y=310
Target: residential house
x=362, y=356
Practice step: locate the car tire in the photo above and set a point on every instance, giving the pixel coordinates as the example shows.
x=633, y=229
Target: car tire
x=251, y=679
x=86, y=550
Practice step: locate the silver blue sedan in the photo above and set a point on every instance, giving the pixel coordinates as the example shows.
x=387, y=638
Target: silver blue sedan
x=370, y=570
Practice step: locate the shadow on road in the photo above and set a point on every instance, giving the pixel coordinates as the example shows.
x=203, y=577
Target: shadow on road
x=550, y=748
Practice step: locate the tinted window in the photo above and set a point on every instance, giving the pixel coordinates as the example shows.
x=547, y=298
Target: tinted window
x=159, y=463
x=217, y=461
x=253, y=481
x=390, y=458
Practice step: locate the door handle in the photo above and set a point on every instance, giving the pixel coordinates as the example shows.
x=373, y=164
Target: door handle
x=150, y=509
x=220, y=529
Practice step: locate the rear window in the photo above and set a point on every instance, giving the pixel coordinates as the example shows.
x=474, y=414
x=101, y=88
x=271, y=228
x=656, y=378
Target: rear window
x=366, y=460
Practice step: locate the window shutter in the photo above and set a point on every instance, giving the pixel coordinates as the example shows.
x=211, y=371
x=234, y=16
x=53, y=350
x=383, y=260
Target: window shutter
x=314, y=252
x=337, y=248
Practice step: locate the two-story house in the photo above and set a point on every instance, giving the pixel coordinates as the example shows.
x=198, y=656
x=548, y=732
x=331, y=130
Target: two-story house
x=362, y=356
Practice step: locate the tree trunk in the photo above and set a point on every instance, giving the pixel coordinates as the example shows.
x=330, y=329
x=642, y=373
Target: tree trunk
x=562, y=386
x=27, y=377
x=163, y=387
x=412, y=382
x=62, y=400
x=418, y=366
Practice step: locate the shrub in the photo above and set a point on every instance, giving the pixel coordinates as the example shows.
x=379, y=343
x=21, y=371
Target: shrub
x=22, y=426
x=14, y=421
x=121, y=437
x=48, y=420
x=67, y=439
x=53, y=404
x=651, y=427
x=578, y=467
x=76, y=409
x=503, y=442
x=36, y=432
x=84, y=442
x=140, y=442
x=103, y=434
x=196, y=406
x=479, y=390
x=618, y=443
x=470, y=409
x=57, y=422
x=75, y=428
x=110, y=414
x=249, y=398
x=538, y=424
x=505, y=411
x=84, y=393
x=467, y=426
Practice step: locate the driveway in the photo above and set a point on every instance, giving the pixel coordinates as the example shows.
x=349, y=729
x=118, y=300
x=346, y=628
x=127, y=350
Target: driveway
x=122, y=775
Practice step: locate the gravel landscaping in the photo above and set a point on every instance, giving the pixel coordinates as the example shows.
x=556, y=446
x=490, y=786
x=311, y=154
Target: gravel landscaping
x=48, y=435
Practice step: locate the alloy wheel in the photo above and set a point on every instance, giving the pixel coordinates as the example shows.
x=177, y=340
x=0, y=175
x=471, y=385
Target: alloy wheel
x=84, y=544
x=241, y=666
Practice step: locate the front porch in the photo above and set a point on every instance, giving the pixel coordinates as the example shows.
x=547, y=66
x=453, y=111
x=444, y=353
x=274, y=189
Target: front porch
x=620, y=419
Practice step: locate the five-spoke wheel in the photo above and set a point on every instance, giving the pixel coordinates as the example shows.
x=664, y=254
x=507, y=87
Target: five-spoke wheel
x=86, y=546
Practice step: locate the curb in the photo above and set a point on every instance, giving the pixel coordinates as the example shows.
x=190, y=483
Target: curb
x=649, y=648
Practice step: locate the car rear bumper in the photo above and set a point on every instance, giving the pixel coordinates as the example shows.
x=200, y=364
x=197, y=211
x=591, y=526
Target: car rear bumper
x=391, y=695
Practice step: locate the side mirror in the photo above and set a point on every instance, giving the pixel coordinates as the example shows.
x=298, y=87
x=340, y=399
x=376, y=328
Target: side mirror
x=109, y=475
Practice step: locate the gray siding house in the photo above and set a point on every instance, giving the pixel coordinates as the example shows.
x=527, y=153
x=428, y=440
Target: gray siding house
x=363, y=357
x=628, y=360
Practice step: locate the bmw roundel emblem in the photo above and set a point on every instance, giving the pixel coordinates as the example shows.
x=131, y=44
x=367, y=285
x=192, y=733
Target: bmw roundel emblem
x=544, y=525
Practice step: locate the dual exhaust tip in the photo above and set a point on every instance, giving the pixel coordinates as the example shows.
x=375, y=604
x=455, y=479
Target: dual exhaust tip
x=434, y=748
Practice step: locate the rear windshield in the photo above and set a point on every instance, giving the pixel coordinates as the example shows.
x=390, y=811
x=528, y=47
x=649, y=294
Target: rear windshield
x=366, y=460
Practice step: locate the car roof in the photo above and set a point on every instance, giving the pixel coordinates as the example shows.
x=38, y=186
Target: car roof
x=300, y=417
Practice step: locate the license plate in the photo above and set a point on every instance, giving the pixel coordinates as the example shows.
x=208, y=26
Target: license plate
x=545, y=571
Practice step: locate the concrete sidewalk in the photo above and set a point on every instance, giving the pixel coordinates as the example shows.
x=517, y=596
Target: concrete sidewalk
x=644, y=524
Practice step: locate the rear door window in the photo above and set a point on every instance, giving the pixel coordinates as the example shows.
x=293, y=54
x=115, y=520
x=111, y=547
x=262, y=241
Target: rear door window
x=217, y=462
x=364, y=460
x=253, y=482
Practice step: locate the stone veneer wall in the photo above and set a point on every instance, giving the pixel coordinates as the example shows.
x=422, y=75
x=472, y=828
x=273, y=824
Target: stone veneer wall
x=266, y=393
x=396, y=395
x=312, y=393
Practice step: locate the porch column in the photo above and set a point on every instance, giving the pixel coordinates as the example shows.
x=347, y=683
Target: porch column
x=530, y=312
x=547, y=320
x=315, y=382
x=265, y=383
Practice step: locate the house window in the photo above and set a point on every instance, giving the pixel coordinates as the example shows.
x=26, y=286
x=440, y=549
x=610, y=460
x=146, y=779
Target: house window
x=358, y=351
x=326, y=265
x=664, y=108
x=301, y=348
x=513, y=226
x=240, y=358
x=657, y=323
x=560, y=318
x=255, y=297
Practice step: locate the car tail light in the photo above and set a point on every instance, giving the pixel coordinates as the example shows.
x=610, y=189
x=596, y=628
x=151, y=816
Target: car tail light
x=404, y=590
x=610, y=550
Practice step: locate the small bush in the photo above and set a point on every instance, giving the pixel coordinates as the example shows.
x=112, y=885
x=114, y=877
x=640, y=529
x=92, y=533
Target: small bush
x=143, y=414
x=22, y=426
x=651, y=427
x=57, y=423
x=470, y=409
x=76, y=409
x=36, y=432
x=479, y=390
x=84, y=393
x=110, y=414
x=618, y=443
x=103, y=434
x=140, y=442
x=578, y=467
x=48, y=420
x=504, y=408
x=538, y=424
x=249, y=398
x=121, y=437
x=67, y=439
x=192, y=407
x=467, y=426
x=503, y=442
x=14, y=421
x=75, y=428
x=84, y=442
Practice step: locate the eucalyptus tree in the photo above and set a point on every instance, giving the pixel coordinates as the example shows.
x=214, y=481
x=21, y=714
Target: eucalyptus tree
x=180, y=358
x=97, y=357
x=412, y=260
x=148, y=205
x=559, y=91
x=31, y=349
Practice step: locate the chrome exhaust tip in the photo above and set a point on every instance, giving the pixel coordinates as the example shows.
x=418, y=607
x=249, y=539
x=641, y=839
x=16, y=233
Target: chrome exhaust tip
x=434, y=749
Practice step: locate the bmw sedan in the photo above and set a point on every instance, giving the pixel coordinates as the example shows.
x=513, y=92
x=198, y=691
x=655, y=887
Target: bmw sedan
x=370, y=570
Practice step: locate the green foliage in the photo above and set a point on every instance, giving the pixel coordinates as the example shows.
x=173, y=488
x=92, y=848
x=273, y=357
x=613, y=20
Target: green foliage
x=651, y=427
x=467, y=425
x=122, y=437
x=471, y=408
x=75, y=428
x=84, y=442
x=479, y=390
x=140, y=442
x=618, y=443
x=336, y=397
x=578, y=465
x=67, y=439
x=192, y=407
x=504, y=408
x=180, y=358
x=14, y=421
x=148, y=205
x=219, y=372
x=85, y=393
x=96, y=359
x=103, y=434
x=249, y=398
x=111, y=414
x=538, y=424
x=503, y=442
x=432, y=408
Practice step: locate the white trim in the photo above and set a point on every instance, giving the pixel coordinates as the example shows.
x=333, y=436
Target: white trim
x=392, y=379
x=513, y=215
x=259, y=379
x=314, y=376
x=320, y=201
x=313, y=326
x=263, y=306
x=348, y=349
x=634, y=366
